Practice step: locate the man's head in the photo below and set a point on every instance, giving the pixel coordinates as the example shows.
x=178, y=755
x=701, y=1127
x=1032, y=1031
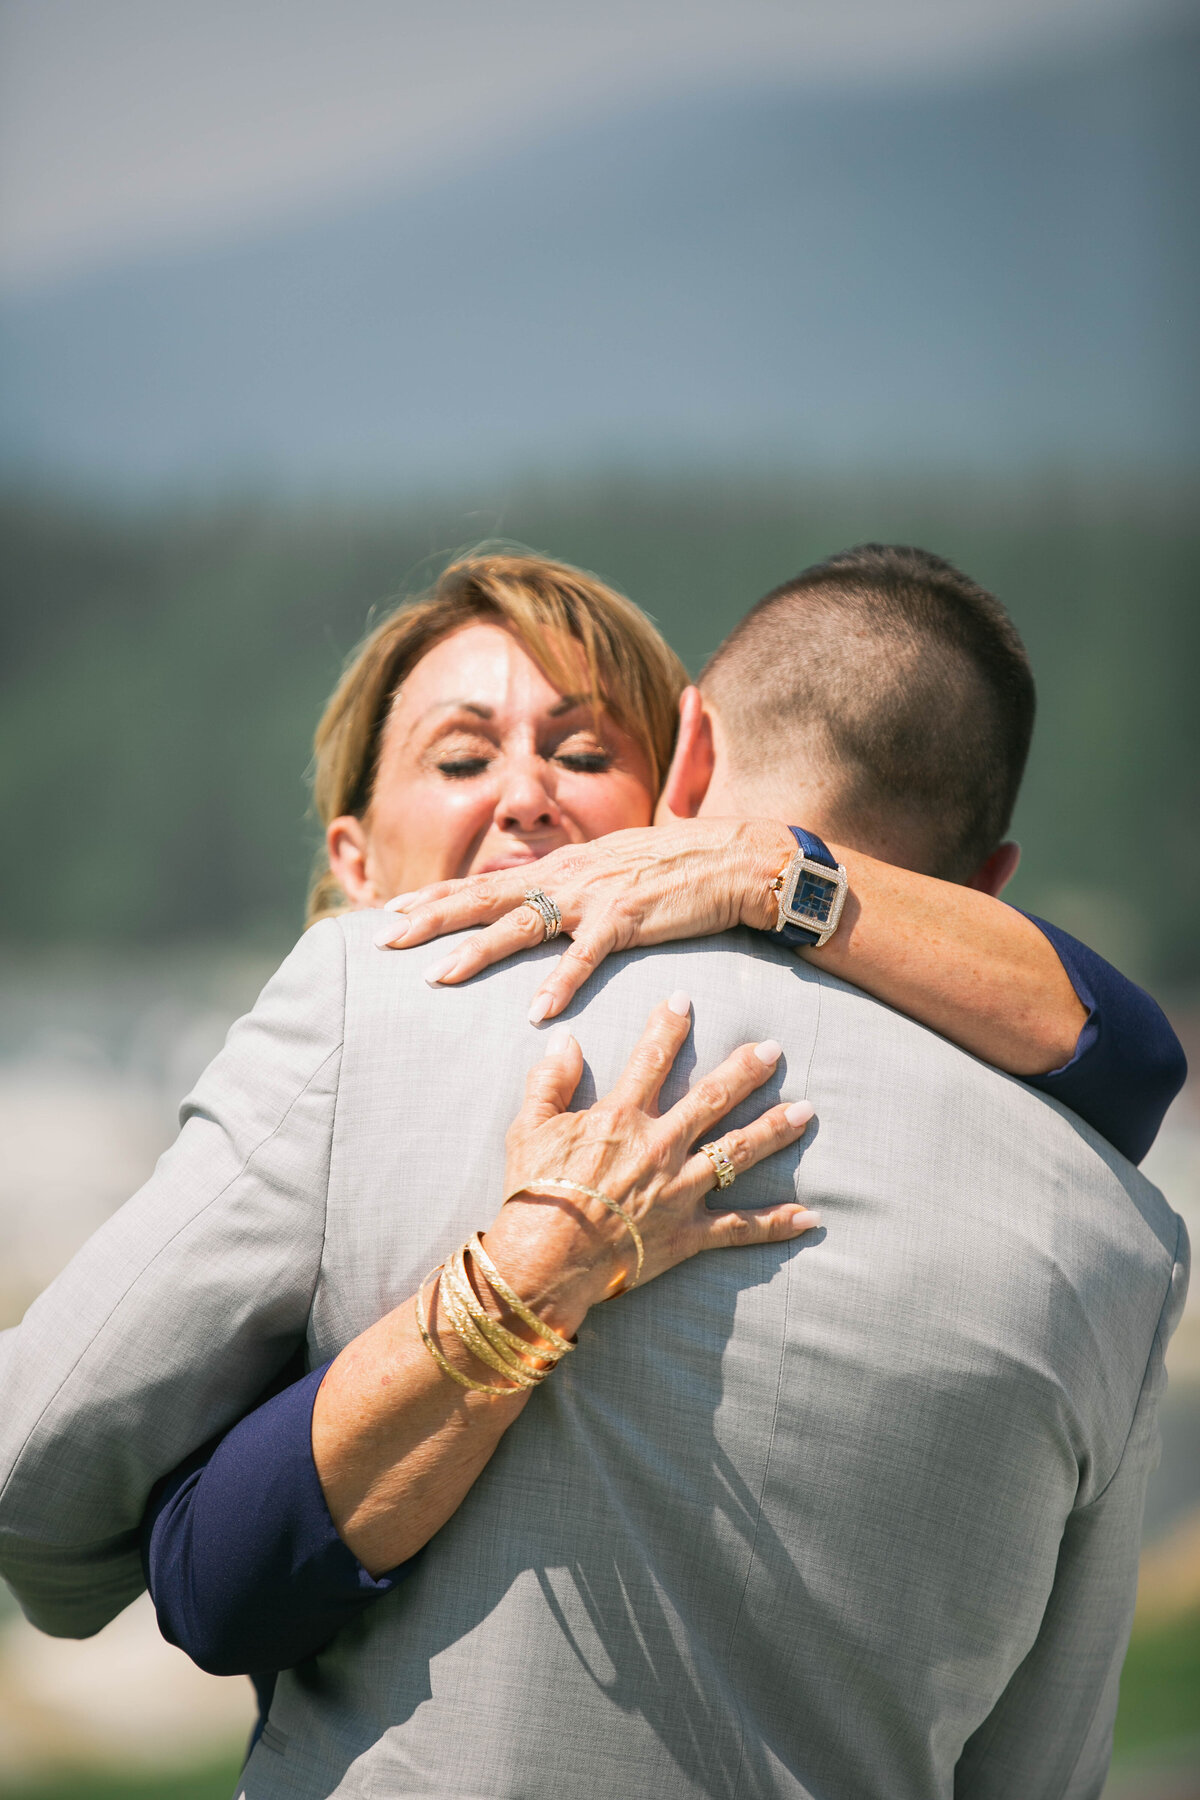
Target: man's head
x=881, y=698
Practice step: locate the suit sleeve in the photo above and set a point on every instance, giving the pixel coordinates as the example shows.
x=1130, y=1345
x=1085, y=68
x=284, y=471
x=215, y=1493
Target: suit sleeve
x=175, y=1316
x=1049, y=1736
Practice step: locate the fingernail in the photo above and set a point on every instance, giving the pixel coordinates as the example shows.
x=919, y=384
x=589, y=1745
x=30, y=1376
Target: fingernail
x=394, y=905
x=680, y=1003
x=558, y=1042
x=387, y=939
x=768, y=1051
x=799, y=1112
x=399, y=931
x=540, y=1008
x=438, y=971
x=807, y=1221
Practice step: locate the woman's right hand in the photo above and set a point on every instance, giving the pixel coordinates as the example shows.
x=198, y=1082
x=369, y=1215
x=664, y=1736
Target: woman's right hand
x=565, y=1251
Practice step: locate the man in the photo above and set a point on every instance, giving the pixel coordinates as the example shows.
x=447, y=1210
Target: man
x=855, y=1519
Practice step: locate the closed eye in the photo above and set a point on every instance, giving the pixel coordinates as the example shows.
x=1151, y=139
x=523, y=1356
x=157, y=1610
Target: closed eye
x=585, y=762
x=462, y=768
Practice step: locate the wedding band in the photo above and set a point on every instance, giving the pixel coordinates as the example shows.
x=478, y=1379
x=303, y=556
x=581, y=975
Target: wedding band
x=723, y=1169
x=546, y=910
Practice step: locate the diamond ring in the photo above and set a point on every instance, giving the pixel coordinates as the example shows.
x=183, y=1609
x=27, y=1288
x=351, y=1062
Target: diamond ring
x=723, y=1169
x=546, y=910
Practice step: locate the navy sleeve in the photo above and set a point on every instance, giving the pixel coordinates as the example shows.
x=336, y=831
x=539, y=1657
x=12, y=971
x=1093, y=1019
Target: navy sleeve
x=244, y=1564
x=1128, y=1064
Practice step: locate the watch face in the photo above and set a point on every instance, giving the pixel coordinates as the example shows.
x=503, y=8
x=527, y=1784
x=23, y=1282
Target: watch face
x=814, y=898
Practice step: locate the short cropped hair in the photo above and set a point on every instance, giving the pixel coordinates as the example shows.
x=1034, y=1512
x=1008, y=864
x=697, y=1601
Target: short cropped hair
x=557, y=613
x=905, y=679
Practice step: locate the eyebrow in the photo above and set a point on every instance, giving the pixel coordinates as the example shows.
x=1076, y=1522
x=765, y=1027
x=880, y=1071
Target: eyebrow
x=568, y=703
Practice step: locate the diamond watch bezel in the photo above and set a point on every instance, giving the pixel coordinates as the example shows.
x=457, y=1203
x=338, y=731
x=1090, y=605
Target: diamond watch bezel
x=800, y=866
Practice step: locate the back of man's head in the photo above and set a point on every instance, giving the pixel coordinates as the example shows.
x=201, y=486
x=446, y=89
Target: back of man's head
x=896, y=682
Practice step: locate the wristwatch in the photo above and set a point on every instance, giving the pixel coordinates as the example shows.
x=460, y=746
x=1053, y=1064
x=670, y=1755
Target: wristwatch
x=810, y=892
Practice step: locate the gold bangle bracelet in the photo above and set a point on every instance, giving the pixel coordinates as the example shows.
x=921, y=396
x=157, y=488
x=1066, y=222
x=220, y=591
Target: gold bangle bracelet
x=447, y=1367
x=558, y=1344
x=519, y=1351
x=512, y=1354
x=578, y=1187
x=464, y=1328
x=463, y=1310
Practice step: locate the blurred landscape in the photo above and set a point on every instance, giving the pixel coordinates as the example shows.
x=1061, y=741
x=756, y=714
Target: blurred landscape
x=688, y=296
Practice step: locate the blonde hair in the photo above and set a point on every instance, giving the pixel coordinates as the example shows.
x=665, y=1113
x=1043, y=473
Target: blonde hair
x=632, y=672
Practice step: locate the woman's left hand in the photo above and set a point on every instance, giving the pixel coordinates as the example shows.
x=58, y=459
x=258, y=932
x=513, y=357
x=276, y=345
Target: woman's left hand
x=690, y=878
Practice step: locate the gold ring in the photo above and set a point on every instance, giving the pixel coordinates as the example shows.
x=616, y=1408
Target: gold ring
x=546, y=910
x=723, y=1169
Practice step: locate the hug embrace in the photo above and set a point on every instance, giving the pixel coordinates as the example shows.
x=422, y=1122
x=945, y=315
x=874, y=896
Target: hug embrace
x=403, y=1383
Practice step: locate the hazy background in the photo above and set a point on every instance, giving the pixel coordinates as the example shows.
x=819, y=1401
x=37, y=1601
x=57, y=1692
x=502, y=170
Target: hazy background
x=296, y=298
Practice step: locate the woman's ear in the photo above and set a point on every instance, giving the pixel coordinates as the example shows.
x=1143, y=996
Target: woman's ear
x=346, y=841
x=993, y=875
x=691, y=767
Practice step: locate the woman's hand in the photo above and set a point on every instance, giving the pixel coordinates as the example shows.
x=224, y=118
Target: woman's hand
x=571, y=1251
x=690, y=878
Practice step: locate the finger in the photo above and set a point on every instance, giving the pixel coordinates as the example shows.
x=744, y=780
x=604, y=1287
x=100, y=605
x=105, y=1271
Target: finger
x=414, y=897
x=551, y=1083
x=717, y=1093
x=519, y=930
x=746, y=1145
x=578, y=962
x=451, y=906
x=654, y=1053
x=770, y=1225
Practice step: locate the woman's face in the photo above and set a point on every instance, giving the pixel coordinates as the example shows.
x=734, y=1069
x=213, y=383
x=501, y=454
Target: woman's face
x=484, y=764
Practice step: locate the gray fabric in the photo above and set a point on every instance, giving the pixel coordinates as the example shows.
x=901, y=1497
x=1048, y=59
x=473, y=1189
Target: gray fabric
x=851, y=1517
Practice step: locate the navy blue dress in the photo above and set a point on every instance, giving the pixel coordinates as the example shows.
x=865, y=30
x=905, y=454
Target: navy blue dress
x=243, y=1561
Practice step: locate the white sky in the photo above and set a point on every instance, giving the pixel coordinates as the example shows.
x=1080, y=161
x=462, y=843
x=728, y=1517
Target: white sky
x=130, y=124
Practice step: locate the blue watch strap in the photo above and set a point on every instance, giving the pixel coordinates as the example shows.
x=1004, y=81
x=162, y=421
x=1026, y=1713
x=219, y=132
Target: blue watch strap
x=817, y=851
x=814, y=847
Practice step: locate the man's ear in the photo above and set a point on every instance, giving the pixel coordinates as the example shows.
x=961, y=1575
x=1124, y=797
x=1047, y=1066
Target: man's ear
x=346, y=841
x=691, y=767
x=994, y=875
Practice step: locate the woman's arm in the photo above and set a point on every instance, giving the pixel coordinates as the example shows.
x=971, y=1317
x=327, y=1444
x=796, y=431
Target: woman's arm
x=951, y=957
x=955, y=958
x=253, y=1550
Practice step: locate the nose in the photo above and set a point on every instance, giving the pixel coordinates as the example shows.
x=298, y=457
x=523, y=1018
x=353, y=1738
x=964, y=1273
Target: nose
x=526, y=804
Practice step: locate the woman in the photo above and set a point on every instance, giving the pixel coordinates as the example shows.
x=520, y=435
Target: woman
x=520, y=711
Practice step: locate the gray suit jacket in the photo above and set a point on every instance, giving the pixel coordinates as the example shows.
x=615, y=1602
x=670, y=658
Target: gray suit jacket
x=855, y=1516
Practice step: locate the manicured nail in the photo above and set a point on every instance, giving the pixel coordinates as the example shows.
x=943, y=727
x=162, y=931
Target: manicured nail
x=400, y=930
x=558, y=1041
x=807, y=1221
x=680, y=1003
x=386, y=940
x=799, y=1112
x=768, y=1051
x=540, y=1008
x=438, y=971
x=394, y=905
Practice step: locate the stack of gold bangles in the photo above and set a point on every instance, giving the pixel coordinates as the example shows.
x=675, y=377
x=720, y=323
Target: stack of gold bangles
x=523, y=1363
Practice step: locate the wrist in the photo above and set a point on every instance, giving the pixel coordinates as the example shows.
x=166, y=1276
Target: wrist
x=557, y=1259
x=768, y=847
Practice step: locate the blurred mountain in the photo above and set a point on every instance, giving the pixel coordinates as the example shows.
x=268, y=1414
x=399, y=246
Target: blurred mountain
x=993, y=274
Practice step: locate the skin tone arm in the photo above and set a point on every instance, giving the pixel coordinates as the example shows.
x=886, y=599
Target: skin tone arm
x=952, y=956
x=397, y=1443
x=955, y=958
